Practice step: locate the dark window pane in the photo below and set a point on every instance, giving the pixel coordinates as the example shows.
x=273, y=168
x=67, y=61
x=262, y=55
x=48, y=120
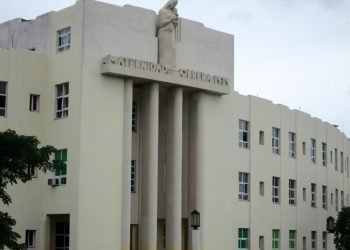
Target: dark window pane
x=59, y=90
x=2, y=101
x=66, y=86
x=59, y=228
x=66, y=241
x=59, y=104
x=66, y=228
x=65, y=103
x=59, y=241
x=2, y=87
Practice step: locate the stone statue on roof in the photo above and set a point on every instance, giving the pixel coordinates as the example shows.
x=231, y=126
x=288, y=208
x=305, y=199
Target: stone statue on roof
x=168, y=19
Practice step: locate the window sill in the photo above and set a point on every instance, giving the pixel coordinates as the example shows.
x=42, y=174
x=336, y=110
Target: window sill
x=62, y=118
x=244, y=200
x=243, y=148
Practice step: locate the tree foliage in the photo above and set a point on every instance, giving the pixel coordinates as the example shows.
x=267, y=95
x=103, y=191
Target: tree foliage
x=8, y=238
x=342, y=230
x=18, y=155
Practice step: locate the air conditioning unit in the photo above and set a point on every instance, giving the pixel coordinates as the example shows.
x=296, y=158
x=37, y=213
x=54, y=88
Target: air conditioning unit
x=54, y=182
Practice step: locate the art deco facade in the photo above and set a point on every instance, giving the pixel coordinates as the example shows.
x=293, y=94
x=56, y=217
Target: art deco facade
x=145, y=144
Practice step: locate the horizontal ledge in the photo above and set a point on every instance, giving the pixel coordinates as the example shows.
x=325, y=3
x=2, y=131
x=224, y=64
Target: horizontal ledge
x=148, y=71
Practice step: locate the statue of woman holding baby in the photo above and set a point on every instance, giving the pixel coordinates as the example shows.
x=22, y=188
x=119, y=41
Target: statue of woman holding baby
x=166, y=26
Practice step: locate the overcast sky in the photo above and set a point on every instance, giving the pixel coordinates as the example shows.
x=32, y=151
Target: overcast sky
x=293, y=52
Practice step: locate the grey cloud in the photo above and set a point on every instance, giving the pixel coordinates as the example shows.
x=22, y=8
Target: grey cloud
x=240, y=16
x=332, y=3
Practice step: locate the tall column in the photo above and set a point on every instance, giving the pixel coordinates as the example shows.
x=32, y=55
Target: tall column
x=174, y=170
x=196, y=156
x=149, y=185
x=127, y=144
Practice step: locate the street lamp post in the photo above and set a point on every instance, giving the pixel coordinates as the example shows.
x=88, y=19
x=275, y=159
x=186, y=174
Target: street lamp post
x=195, y=224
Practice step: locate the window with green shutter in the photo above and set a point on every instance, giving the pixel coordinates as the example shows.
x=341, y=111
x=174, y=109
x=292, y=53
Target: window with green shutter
x=292, y=239
x=61, y=155
x=243, y=238
x=275, y=239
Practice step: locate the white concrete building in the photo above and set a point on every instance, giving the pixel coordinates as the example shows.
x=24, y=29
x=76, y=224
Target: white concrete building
x=146, y=144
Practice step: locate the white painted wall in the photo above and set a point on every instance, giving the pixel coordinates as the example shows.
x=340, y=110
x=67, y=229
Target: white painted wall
x=93, y=134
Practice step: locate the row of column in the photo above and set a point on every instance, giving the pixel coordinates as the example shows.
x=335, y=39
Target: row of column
x=149, y=179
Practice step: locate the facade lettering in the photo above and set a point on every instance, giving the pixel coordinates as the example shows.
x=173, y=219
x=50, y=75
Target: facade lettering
x=162, y=69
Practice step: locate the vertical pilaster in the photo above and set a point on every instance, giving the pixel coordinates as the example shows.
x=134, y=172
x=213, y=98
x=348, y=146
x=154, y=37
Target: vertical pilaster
x=46, y=232
x=127, y=144
x=149, y=185
x=196, y=155
x=174, y=169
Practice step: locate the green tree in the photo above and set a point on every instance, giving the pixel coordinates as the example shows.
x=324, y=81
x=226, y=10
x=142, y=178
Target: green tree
x=19, y=154
x=342, y=230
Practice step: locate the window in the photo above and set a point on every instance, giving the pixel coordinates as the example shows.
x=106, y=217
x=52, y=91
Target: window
x=324, y=240
x=3, y=97
x=261, y=242
x=61, y=170
x=342, y=199
x=34, y=103
x=292, y=186
x=341, y=162
x=275, y=140
x=62, y=236
x=332, y=199
x=291, y=143
x=63, y=39
x=261, y=137
x=324, y=154
x=313, y=150
x=261, y=188
x=33, y=171
x=243, y=179
x=275, y=189
x=133, y=176
x=313, y=195
x=30, y=238
x=292, y=239
x=243, y=239
x=304, y=148
x=304, y=243
x=347, y=165
x=243, y=134
x=62, y=100
x=336, y=200
x=331, y=153
x=304, y=194
x=275, y=239
x=134, y=117
x=324, y=197
x=313, y=240
x=336, y=159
